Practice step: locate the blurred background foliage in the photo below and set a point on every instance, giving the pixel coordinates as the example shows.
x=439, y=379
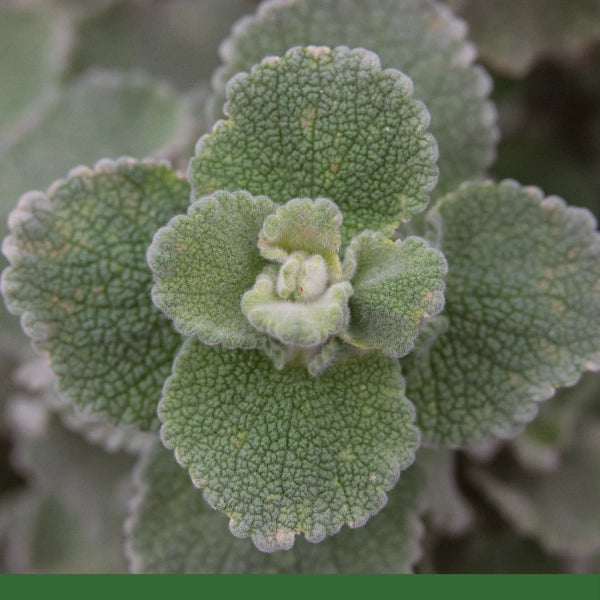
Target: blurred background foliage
x=88, y=79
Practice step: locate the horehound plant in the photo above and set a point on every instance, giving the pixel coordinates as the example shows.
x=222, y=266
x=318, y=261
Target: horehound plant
x=294, y=315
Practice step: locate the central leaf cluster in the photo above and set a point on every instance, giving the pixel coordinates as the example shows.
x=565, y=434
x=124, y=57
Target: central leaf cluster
x=244, y=272
x=300, y=298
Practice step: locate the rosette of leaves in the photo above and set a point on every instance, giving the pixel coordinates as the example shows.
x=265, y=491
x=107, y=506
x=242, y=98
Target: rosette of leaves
x=286, y=403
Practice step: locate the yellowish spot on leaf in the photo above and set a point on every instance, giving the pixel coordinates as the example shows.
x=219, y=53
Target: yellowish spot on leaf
x=307, y=118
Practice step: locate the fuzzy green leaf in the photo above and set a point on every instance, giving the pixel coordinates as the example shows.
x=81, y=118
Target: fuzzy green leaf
x=173, y=530
x=323, y=123
x=396, y=286
x=204, y=261
x=297, y=323
x=523, y=311
x=282, y=452
x=79, y=279
x=303, y=225
x=419, y=37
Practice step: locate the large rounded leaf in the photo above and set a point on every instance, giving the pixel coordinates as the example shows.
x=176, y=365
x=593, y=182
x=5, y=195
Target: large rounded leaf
x=173, y=530
x=422, y=38
x=323, y=123
x=283, y=452
x=79, y=279
x=522, y=309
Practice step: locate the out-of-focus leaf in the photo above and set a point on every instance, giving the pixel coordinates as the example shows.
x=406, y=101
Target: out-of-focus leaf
x=102, y=115
x=70, y=519
x=176, y=40
x=34, y=45
x=514, y=34
x=448, y=510
x=541, y=445
x=488, y=552
x=559, y=508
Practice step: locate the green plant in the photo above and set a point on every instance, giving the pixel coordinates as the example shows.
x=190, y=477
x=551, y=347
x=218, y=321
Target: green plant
x=332, y=287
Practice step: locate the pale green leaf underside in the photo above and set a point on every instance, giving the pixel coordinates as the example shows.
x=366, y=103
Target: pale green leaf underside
x=204, y=261
x=523, y=306
x=396, y=286
x=173, y=530
x=79, y=279
x=419, y=37
x=323, y=123
x=559, y=508
x=283, y=452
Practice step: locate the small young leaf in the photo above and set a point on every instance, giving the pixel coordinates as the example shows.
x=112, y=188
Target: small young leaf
x=523, y=306
x=282, y=452
x=323, y=123
x=204, y=261
x=422, y=38
x=79, y=279
x=303, y=225
x=173, y=530
x=396, y=286
x=302, y=324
